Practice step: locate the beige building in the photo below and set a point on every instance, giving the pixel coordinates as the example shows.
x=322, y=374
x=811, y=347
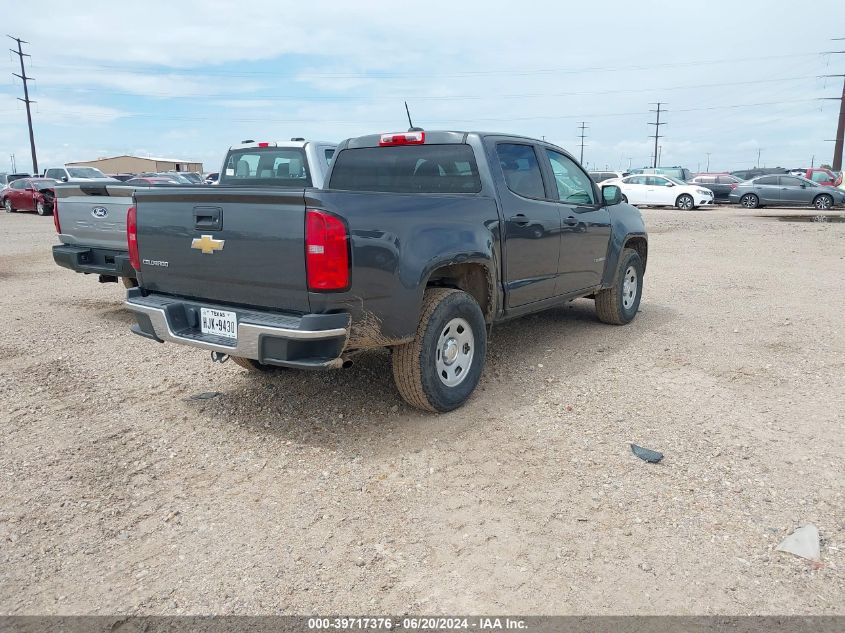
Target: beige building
x=138, y=164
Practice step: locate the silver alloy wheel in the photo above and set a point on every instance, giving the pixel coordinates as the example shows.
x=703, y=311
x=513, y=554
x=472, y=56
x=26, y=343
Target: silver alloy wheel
x=629, y=287
x=823, y=202
x=455, y=349
x=685, y=202
x=39, y=208
x=748, y=201
x=7, y=205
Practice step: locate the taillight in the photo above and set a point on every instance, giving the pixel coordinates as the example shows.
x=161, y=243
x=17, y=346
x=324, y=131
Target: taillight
x=56, y=222
x=405, y=138
x=264, y=145
x=132, y=238
x=326, y=251
x=733, y=185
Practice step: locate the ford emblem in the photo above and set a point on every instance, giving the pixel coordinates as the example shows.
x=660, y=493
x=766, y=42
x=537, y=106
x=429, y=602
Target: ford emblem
x=99, y=212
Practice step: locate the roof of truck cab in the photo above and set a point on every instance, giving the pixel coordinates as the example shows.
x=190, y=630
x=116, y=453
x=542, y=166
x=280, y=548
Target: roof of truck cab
x=257, y=144
x=443, y=137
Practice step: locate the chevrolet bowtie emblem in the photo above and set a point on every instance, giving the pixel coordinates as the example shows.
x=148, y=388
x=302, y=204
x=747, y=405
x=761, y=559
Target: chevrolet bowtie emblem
x=207, y=244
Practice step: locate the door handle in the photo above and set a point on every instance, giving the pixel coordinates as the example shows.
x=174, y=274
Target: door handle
x=570, y=221
x=520, y=219
x=208, y=218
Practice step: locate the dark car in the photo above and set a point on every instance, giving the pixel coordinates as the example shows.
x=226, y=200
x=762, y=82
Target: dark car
x=5, y=179
x=748, y=174
x=419, y=242
x=29, y=194
x=785, y=190
x=679, y=173
x=720, y=184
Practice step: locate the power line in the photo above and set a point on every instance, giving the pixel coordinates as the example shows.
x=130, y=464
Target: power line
x=26, y=99
x=583, y=127
x=657, y=134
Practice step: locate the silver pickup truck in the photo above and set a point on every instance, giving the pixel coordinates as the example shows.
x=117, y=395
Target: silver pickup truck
x=91, y=217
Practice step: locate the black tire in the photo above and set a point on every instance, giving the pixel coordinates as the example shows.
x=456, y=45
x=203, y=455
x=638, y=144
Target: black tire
x=612, y=304
x=7, y=205
x=253, y=365
x=823, y=202
x=685, y=202
x=749, y=201
x=42, y=209
x=128, y=282
x=624, y=198
x=415, y=364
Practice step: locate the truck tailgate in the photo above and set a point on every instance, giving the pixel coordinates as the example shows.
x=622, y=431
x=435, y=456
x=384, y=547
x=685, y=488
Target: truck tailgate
x=227, y=244
x=94, y=215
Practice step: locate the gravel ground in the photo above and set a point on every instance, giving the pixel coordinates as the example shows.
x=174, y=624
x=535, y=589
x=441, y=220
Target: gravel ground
x=323, y=492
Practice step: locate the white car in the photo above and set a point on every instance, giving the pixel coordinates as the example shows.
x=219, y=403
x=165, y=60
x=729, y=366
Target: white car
x=654, y=190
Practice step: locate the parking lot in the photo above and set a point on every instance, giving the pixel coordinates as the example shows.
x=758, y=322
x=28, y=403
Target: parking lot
x=323, y=492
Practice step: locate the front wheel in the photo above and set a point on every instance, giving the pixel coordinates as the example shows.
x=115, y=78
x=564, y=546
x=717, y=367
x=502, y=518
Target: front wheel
x=685, y=202
x=750, y=201
x=41, y=208
x=440, y=368
x=7, y=204
x=618, y=304
x=624, y=198
x=823, y=202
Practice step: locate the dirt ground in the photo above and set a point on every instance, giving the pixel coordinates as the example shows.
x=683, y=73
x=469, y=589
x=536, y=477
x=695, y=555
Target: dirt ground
x=323, y=493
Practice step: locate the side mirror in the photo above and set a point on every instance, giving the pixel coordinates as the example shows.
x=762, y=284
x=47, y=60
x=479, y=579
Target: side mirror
x=610, y=195
x=670, y=184
x=803, y=185
x=64, y=178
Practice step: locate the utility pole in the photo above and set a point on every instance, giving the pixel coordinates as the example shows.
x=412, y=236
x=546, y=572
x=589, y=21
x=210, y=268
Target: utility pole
x=657, y=125
x=26, y=99
x=758, y=158
x=629, y=163
x=659, y=152
x=840, y=128
x=582, y=127
x=707, y=169
x=14, y=167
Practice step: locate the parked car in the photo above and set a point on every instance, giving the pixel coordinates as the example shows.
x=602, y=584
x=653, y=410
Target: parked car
x=417, y=243
x=77, y=174
x=720, y=184
x=822, y=176
x=601, y=176
x=121, y=177
x=147, y=181
x=5, y=179
x=785, y=190
x=662, y=191
x=29, y=194
x=212, y=178
x=193, y=177
x=678, y=173
x=748, y=174
x=293, y=163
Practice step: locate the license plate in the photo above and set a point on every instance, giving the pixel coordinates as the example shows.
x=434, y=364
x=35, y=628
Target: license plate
x=219, y=323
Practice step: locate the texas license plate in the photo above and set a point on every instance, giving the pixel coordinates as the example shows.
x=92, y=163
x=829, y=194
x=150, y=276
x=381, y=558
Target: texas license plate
x=219, y=323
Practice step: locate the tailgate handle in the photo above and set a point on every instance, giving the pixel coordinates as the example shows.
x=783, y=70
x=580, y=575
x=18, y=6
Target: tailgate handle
x=208, y=218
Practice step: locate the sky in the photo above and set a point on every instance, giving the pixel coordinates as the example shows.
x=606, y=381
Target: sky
x=189, y=79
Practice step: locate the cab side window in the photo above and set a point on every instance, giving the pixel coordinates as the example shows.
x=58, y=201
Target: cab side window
x=573, y=185
x=521, y=169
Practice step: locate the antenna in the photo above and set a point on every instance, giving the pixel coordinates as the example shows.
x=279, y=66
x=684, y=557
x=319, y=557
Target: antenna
x=411, y=127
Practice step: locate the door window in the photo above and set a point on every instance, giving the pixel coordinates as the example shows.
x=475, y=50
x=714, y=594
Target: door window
x=767, y=180
x=790, y=181
x=656, y=181
x=521, y=169
x=635, y=180
x=18, y=184
x=573, y=185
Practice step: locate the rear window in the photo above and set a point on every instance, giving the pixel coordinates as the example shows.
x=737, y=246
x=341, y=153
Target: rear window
x=276, y=166
x=407, y=169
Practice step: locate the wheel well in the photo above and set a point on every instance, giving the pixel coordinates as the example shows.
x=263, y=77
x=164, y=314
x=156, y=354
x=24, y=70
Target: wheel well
x=473, y=279
x=640, y=245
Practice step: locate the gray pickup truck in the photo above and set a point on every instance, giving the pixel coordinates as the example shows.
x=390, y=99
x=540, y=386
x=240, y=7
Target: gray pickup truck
x=91, y=217
x=419, y=242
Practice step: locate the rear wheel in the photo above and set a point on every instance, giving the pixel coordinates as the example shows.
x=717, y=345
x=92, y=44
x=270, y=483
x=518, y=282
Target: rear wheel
x=750, y=201
x=685, y=202
x=823, y=202
x=618, y=305
x=7, y=204
x=440, y=368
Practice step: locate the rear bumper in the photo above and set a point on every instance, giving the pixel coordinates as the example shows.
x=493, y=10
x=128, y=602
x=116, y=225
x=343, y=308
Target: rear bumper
x=310, y=341
x=98, y=261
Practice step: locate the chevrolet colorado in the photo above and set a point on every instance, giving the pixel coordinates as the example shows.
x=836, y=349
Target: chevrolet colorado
x=419, y=242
